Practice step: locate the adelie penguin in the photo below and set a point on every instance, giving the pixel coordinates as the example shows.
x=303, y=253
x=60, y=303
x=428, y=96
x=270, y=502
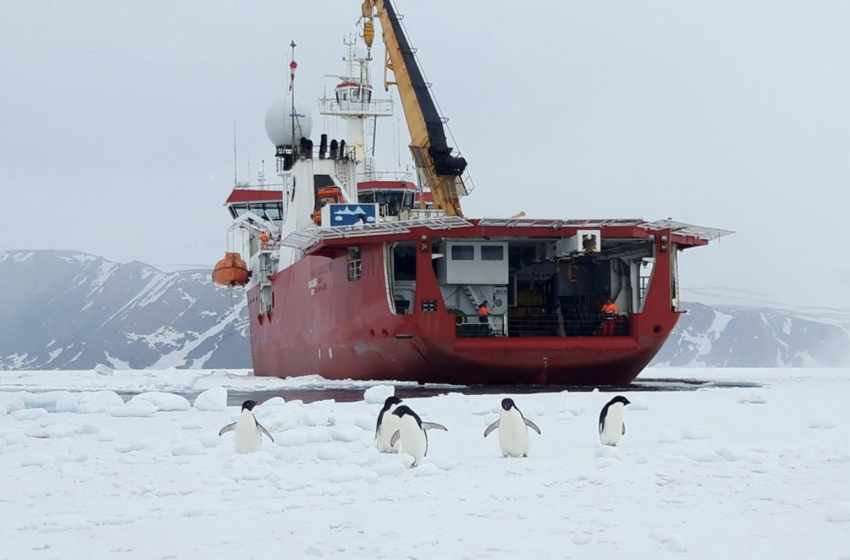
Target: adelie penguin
x=611, y=425
x=412, y=433
x=249, y=432
x=387, y=426
x=513, y=430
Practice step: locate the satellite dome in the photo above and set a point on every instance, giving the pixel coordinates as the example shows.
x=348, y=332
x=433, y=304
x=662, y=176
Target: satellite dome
x=279, y=125
x=360, y=52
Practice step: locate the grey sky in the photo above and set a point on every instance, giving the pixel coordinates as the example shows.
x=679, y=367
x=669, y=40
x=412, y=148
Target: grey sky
x=116, y=120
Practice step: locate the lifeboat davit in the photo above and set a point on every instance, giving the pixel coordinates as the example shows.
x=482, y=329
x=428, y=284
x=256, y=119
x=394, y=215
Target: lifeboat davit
x=230, y=271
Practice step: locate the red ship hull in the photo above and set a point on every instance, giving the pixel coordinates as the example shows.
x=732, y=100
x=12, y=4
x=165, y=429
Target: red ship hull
x=322, y=323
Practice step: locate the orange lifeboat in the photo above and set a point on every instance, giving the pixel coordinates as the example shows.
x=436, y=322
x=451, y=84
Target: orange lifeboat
x=230, y=271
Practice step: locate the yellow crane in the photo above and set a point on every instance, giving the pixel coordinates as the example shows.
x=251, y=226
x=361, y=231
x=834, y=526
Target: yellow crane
x=441, y=171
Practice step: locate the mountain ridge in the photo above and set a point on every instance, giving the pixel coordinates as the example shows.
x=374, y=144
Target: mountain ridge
x=74, y=310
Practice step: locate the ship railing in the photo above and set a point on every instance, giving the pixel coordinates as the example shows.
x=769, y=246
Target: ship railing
x=347, y=107
x=480, y=326
x=413, y=214
x=539, y=325
x=554, y=325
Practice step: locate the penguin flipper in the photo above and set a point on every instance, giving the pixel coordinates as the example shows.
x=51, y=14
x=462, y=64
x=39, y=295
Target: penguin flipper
x=624, y=428
x=228, y=428
x=433, y=426
x=491, y=428
x=265, y=431
x=395, y=438
x=532, y=425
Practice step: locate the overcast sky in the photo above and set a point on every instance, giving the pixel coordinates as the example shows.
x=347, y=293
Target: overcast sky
x=116, y=119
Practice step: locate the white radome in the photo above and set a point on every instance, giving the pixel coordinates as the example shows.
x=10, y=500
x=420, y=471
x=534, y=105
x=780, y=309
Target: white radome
x=279, y=122
x=360, y=52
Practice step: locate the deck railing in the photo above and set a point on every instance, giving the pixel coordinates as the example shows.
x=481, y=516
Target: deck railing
x=539, y=325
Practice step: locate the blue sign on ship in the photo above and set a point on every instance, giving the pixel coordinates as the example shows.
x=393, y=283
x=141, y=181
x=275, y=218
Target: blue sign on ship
x=353, y=214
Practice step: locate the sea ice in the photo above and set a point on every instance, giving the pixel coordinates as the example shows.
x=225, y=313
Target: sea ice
x=132, y=410
x=98, y=402
x=378, y=394
x=212, y=400
x=163, y=402
x=10, y=402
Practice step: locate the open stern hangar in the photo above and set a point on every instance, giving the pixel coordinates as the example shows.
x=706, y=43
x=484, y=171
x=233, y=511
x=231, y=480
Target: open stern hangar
x=512, y=300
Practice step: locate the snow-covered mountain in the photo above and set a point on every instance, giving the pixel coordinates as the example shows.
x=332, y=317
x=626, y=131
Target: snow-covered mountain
x=68, y=310
x=744, y=335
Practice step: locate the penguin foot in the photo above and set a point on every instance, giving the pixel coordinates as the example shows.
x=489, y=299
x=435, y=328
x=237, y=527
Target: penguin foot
x=525, y=455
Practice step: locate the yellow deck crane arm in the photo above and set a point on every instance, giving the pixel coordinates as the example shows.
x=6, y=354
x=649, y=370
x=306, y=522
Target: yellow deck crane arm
x=441, y=171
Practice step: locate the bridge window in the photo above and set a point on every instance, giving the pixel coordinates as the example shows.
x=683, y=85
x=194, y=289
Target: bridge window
x=463, y=252
x=492, y=253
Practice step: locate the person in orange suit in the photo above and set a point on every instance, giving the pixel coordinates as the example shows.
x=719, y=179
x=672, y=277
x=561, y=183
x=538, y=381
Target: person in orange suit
x=609, y=312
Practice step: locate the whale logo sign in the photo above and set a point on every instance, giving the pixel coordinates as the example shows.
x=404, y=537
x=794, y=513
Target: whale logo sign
x=353, y=214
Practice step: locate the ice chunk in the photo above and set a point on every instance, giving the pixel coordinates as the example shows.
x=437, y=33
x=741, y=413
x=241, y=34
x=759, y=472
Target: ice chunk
x=186, y=448
x=212, y=400
x=209, y=440
x=839, y=513
x=390, y=469
x=445, y=463
x=173, y=378
x=55, y=431
x=46, y=400
x=378, y=394
x=101, y=369
x=29, y=414
x=696, y=433
x=274, y=401
x=346, y=435
x=164, y=402
x=292, y=438
x=702, y=454
x=131, y=410
x=368, y=456
x=10, y=402
x=193, y=424
x=128, y=446
x=667, y=436
x=426, y=469
x=107, y=435
x=98, y=402
x=67, y=402
x=607, y=452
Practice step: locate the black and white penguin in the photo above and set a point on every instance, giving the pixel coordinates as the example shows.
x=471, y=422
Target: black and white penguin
x=611, y=425
x=513, y=430
x=249, y=432
x=412, y=433
x=387, y=426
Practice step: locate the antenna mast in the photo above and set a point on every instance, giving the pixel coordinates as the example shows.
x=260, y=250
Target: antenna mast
x=292, y=66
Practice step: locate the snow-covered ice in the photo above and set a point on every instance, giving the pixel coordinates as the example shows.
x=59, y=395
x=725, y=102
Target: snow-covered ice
x=713, y=473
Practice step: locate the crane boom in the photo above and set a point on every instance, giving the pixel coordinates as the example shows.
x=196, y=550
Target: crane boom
x=441, y=171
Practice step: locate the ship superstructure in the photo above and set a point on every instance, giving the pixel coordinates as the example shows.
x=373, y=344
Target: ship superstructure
x=358, y=275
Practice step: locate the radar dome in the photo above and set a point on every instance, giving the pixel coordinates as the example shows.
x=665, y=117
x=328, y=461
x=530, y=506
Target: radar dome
x=279, y=125
x=360, y=52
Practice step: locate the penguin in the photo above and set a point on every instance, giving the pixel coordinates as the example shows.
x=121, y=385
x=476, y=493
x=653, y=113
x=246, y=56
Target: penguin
x=513, y=430
x=249, y=432
x=611, y=425
x=387, y=426
x=412, y=433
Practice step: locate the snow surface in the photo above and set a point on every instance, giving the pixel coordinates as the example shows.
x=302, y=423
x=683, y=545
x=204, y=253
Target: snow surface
x=718, y=472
